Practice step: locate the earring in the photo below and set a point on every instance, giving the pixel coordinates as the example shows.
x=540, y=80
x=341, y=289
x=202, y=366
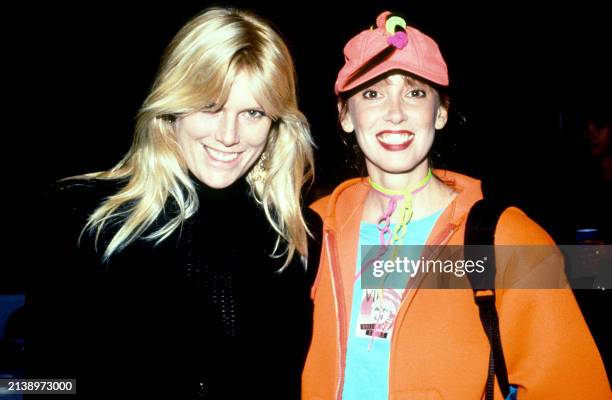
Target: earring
x=258, y=174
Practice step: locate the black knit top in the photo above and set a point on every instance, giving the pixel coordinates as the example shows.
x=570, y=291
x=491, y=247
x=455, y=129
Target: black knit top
x=204, y=314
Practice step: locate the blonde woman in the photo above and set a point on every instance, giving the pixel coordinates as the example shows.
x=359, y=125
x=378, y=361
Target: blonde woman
x=186, y=268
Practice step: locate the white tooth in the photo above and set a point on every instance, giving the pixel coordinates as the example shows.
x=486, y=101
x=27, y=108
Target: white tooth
x=395, y=138
x=222, y=155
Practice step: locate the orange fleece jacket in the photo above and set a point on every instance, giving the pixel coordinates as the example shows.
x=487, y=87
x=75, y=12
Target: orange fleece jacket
x=439, y=349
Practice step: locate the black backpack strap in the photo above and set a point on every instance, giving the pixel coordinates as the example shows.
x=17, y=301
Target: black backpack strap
x=480, y=230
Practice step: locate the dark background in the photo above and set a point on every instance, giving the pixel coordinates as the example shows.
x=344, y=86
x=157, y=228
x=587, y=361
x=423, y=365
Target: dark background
x=520, y=79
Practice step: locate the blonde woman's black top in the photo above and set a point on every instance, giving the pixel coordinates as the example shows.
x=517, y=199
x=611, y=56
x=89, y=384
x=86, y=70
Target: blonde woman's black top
x=203, y=314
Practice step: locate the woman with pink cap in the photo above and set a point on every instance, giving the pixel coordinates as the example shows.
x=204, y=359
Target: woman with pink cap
x=391, y=95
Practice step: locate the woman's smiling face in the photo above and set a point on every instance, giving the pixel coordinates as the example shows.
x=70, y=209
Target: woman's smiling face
x=221, y=146
x=394, y=119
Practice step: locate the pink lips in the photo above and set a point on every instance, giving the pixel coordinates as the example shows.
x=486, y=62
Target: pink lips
x=394, y=146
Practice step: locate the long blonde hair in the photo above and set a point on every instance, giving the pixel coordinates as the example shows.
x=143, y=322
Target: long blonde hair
x=198, y=69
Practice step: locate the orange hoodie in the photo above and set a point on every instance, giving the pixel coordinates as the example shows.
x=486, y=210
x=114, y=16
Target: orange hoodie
x=439, y=349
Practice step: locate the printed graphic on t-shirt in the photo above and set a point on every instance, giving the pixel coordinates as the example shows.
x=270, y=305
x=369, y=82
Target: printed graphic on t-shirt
x=377, y=313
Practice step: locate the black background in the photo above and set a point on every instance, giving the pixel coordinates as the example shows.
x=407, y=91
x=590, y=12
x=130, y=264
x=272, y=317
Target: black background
x=520, y=77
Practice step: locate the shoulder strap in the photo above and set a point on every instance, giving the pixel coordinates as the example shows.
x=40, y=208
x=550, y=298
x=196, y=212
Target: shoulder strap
x=480, y=230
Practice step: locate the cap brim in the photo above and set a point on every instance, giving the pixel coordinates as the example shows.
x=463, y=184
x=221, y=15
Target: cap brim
x=391, y=65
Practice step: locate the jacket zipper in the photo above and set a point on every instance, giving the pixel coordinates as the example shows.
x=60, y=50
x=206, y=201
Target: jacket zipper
x=339, y=303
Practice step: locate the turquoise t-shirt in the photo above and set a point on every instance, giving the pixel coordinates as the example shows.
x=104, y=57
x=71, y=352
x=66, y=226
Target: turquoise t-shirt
x=372, y=318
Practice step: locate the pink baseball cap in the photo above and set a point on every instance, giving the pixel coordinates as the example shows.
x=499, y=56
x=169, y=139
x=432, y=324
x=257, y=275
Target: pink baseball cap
x=408, y=49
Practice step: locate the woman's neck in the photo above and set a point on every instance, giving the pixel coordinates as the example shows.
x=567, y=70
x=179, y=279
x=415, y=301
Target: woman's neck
x=237, y=189
x=433, y=197
x=399, y=181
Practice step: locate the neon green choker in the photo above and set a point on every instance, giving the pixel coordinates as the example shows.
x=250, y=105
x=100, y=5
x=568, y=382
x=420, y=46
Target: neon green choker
x=400, y=230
